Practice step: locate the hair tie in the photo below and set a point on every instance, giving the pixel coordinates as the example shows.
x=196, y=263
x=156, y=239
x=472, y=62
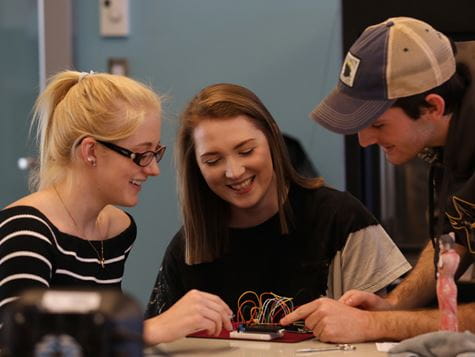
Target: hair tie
x=84, y=74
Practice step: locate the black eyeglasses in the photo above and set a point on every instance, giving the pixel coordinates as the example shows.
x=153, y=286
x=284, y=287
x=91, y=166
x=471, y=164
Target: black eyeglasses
x=142, y=159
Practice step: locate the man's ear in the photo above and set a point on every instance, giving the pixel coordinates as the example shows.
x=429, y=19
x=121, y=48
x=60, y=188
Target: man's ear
x=87, y=151
x=437, y=104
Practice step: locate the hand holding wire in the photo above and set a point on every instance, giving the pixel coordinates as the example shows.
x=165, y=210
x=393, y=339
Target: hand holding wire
x=195, y=311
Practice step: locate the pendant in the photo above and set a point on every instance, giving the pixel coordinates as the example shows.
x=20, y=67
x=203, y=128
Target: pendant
x=102, y=263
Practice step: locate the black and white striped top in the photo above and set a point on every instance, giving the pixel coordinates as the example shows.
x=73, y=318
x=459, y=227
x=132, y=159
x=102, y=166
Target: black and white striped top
x=35, y=254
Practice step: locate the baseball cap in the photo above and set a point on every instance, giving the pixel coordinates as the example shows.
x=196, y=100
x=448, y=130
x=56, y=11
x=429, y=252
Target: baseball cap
x=396, y=58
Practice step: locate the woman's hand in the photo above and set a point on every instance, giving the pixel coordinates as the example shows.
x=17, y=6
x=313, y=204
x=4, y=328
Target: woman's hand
x=195, y=311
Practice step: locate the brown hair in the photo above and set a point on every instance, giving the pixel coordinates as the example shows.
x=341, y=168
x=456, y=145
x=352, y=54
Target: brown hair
x=206, y=215
x=452, y=91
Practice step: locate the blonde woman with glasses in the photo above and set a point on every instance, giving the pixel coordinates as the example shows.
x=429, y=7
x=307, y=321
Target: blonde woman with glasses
x=99, y=142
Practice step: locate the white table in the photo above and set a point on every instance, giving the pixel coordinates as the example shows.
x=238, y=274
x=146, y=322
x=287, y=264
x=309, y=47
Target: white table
x=220, y=347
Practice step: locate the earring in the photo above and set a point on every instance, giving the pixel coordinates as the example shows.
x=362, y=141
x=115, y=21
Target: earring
x=91, y=161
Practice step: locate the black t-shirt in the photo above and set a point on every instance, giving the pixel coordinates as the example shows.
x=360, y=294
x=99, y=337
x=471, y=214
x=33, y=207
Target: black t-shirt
x=459, y=159
x=262, y=259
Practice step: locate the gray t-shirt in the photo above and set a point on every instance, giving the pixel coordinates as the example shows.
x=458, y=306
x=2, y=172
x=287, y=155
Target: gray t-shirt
x=368, y=266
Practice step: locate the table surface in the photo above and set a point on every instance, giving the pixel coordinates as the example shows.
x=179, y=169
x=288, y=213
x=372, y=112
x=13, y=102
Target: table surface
x=220, y=347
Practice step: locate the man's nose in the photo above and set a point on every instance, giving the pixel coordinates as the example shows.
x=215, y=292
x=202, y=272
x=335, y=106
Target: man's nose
x=367, y=137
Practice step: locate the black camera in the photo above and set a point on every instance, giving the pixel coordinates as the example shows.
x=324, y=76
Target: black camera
x=73, y=323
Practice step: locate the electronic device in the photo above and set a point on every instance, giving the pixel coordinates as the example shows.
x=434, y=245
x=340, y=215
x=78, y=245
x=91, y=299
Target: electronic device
x=260, y=328
x=270, y=327
x=258, y=332
x=261, y=336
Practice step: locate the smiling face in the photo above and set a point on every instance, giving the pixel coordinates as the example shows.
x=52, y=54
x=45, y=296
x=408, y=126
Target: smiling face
x=119, y=178
x=234, y=158
x=399, y=136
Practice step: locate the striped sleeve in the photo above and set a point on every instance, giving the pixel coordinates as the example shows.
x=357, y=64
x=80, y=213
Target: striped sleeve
x=26, y=255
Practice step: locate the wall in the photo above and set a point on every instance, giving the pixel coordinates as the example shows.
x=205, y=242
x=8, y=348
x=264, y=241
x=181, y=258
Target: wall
x=18, y=89
x=287, y=52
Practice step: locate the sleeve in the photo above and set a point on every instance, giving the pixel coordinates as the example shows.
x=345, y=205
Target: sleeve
x=168, y=288
x=369, y=260
x=26, y=256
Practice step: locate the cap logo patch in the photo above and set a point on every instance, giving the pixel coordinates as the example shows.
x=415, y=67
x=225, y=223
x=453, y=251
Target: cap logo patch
x=349, y=69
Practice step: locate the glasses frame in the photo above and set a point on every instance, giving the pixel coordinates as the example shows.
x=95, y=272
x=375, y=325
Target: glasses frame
x=136, y=157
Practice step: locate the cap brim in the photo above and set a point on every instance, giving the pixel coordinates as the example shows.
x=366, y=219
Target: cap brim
x=343, y=114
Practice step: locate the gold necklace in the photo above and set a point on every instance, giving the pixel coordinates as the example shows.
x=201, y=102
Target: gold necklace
x=99, y=256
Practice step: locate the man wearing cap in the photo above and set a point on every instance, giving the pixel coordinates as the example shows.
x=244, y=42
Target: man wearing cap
x=402, y=88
